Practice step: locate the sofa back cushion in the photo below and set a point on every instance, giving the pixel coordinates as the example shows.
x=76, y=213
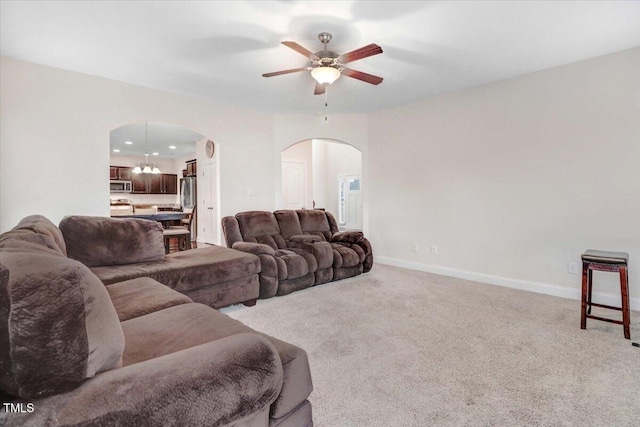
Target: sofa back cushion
x=315, y=222
x=231, y=230
x=101, y=241
x=289, y=223
x=333, y=225
x=45, y=231
x=57, y=323
x=17, y=237
x=261, y=227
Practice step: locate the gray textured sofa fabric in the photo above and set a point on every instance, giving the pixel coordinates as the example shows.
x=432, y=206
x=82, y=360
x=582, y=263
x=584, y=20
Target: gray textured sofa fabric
x=285, y=239
x=126, y=248
x=131, y=353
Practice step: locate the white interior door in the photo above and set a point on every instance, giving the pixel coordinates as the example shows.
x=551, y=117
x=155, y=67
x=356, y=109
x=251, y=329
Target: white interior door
x=350, y=202
x=208, y=204
x=294, y=184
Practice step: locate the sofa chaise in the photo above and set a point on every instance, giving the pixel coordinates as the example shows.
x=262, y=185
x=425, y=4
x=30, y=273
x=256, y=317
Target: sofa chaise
x=297, y=248
x=117, y=249
x=132, y=353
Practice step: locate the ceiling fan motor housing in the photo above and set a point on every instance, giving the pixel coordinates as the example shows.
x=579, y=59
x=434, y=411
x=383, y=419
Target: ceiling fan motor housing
x=327, y=58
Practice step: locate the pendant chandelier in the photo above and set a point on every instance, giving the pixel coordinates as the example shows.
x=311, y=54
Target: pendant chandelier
x=146, y=167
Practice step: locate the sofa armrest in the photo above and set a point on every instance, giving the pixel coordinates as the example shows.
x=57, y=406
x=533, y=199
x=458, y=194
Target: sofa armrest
x=254, y=248
x=216, y=383
x=305, y=238
x=347, y=237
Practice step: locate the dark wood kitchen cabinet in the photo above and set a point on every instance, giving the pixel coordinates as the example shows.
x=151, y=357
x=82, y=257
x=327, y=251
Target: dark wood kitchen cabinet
x=139, y=183
x=192, y=169
x=169, y=183
x=155, y=184
x=164, y=183
x=119, y=173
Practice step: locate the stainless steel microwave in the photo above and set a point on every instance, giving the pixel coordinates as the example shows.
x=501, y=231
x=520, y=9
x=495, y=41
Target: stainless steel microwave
x=120, y=186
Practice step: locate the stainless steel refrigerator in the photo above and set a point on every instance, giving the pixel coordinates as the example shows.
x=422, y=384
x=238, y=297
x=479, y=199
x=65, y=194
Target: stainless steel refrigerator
x=188, y=195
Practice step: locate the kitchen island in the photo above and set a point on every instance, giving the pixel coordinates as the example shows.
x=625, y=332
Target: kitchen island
x=165, y=218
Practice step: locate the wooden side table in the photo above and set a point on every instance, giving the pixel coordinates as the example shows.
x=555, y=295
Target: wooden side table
x=615, y=262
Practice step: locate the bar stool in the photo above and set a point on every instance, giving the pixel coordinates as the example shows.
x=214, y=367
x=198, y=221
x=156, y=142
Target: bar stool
x=615, y=262
x=180, y=233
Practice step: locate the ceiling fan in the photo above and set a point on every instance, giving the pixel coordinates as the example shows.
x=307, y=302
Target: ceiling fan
x=327, y=66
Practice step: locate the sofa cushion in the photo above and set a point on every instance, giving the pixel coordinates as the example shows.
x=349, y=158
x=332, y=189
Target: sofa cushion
x=344, y=256
x=57, y=324
x=289, y=223
x=291, y=265
x=188, y=325
x=41, y=225
x=188, y=270
x=97, y=241
x=314, y=222
x=260, y=227
x=17, y=238
x=137, y=297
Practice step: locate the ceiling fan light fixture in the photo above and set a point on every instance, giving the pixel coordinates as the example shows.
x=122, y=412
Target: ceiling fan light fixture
x=325, y=75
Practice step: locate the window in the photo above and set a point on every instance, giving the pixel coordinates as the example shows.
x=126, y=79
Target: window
x=342, y=201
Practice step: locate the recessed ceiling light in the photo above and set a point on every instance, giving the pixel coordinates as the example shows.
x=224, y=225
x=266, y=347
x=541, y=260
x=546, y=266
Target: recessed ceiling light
x=128, y=142
x=115, y=150
x=173, y=147
x=155, y=154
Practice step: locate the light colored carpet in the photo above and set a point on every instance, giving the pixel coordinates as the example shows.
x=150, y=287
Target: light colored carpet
x=396, y=347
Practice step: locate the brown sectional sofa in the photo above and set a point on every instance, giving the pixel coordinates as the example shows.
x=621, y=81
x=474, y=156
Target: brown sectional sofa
x=133, y=352
x=297, y=248
x=125, y=248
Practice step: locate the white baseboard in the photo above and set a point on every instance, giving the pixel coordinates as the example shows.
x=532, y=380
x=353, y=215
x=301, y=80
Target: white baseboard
x=541, y=288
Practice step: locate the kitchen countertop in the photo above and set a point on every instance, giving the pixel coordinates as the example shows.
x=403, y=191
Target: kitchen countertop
x=160, y=216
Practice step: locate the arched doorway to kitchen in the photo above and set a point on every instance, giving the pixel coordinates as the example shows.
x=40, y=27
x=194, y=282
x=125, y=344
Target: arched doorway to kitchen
x=324, y=174
x=185, y=163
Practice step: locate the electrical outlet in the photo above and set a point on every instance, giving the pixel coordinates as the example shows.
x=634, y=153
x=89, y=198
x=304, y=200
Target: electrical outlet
x=572, y=268
x=414, y=247
x=434, y=249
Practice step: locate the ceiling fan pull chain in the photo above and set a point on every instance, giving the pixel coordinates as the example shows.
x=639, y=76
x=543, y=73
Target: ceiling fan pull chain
x=326, y=104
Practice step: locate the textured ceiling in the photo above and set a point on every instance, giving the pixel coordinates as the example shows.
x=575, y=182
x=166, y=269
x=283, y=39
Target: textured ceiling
x=219, y=50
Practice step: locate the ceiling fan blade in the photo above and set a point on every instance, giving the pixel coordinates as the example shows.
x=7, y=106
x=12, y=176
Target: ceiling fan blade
x=320, y=89
x=363, y=52
x=369, y=78
x=301, y=50
x=277, y=73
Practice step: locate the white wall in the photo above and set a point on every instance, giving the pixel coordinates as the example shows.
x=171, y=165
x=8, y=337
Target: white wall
x=325, y=161
x=292, y=128
x=341, y=159
x=302, y=152
x=59, y=121
x=319, y=166
x=515, y=179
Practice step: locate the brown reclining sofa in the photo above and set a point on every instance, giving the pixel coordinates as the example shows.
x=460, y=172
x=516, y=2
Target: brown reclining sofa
x=133, y=353
x=297, y=248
